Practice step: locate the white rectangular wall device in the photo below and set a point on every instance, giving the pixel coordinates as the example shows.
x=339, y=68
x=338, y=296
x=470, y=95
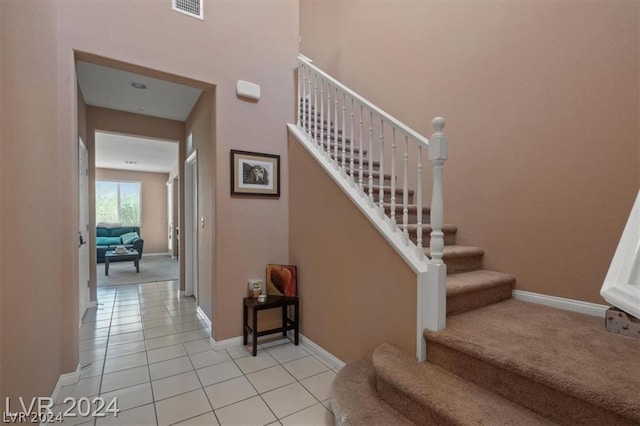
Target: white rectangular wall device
x=248, y=90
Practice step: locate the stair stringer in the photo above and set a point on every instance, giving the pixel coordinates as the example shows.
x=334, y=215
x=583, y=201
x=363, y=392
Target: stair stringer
x=430, y=277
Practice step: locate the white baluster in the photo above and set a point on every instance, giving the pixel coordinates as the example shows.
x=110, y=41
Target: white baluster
x=351, y=179
x=329, y=124
x=418, y=193
x=438, y=153
x=304, y=102
x=321, y=146
x=343, y=168
x=309, y=107
x=315, y=108
x=393, y=179
x=371, y=158
x=335, y=127
x=381, y=169
x=405, y=192
x=360, y=167
x=299, y=123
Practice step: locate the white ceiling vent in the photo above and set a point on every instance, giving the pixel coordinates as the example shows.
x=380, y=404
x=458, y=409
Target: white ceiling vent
x=189, y=7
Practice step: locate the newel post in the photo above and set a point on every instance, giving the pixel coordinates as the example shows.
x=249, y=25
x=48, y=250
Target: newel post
x=438, y=150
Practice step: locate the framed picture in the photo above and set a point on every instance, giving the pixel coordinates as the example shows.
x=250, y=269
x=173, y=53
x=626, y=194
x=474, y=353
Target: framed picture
x=282, y=280
x=255, y=174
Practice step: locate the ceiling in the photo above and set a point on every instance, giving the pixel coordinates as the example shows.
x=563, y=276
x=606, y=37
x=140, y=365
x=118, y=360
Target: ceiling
x=114, y=151
x=111, y=88
x=114, y=89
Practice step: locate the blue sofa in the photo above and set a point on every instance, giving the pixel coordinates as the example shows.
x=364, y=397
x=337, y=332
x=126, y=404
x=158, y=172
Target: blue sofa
x=109, y=238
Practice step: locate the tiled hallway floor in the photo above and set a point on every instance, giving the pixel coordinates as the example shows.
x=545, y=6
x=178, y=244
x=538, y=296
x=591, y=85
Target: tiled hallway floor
x=151, y=350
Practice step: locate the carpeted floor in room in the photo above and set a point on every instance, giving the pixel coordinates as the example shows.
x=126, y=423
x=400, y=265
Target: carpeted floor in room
x=152, y=268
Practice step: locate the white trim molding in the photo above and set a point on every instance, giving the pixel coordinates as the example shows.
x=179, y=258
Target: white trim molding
x=166, y=254
x=621, y=286
x=572, y=305
x=330, y=359
x=204, y=316
x=66, y=380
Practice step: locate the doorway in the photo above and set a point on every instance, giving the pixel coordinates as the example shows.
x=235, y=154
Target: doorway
x=83, y=229
x=191, y=224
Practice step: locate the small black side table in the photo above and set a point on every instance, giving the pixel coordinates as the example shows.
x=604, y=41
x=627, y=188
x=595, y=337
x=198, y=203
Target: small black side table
x=271, y=302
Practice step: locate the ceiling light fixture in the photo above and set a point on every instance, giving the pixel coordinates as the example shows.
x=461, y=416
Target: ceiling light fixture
x=136, y=85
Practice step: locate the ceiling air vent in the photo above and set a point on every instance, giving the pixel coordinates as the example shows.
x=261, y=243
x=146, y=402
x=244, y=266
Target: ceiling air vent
x=189, y=7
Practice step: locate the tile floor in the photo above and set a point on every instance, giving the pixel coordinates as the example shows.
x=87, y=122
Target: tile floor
x=151, y=350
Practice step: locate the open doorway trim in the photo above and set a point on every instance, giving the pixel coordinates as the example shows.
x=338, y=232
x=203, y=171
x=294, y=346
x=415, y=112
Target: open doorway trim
x=191, y=225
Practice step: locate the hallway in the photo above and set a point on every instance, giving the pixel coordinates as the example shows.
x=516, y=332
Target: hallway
x=151, y=350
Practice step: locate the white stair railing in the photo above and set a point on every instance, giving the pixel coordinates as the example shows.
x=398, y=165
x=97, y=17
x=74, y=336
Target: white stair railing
x=357, y=137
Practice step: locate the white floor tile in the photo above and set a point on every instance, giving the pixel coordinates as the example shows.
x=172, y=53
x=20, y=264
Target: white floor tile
x=250, y=364
x=182, y=407
x=126, y=328
x=327, y=404
x=159, y=342
x=162, y=322
x=92, y=354
x=190, y=325
x=125, y=348
x=188, y=336
x=85, y=387
x=124, y=362
x=92, y=333
x=270, y=378
x=165, y=353
x=140, y=416
x=316, y=415
x=170, y=367
x=164, y=330
x=305, y=367
x=239, y=351
x=210, y=357
x=319, y=385
x=288, y=399
x=131, y=397
x=218, y=373
x=229, y=392
x=126, y=338
x=246, y=413
x=132, y=319
x=199, y=345
x=288, y=352
x=94, y=368
x=175, y=385
x=207, y=419
x=124, y=378
x=89, y=344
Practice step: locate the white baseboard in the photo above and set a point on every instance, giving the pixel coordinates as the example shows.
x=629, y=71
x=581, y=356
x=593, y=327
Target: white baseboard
x=586, y=308
x=66, y=380
x=204, y=316
x=330, y=359
x=227, y=343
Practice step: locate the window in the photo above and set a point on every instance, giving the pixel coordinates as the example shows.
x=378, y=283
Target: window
x=118, y=202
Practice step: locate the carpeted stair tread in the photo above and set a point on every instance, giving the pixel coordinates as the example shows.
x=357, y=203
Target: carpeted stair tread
x=355, y=401
x=455, y=251
x=565, y=351
x=427, y=394
x=460, y=258
x=475, y=289
x=411, y=208
x=476, y=280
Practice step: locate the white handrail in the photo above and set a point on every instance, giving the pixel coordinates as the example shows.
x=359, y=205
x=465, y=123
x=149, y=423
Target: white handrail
x=372, y=107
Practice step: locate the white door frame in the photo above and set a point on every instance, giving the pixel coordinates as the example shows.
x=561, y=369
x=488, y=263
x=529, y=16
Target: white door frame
x=190, y=234
x=83, y=229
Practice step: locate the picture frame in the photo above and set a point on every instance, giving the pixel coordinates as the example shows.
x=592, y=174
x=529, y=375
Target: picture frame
x=282, y=280
x=255, y=174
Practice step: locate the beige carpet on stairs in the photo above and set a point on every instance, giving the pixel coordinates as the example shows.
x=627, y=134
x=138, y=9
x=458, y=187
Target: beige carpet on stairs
x=567, y=354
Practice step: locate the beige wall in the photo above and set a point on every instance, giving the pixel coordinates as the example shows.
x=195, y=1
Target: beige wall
x=153, y=229
x=108, y=120
x=541, y=101
x=355, y=291
x=255, y=41
x=201, y=124
x=34, y=276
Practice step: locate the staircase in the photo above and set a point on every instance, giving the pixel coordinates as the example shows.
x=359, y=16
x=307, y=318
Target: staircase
x=499, y=361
